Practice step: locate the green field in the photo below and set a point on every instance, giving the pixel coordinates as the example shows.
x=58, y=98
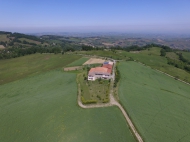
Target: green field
x=44, y=108
x=158, y=104
x=78, y=62
x=13, y=69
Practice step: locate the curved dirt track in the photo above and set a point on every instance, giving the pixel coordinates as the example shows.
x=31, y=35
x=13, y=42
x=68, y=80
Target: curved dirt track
x=112, y=102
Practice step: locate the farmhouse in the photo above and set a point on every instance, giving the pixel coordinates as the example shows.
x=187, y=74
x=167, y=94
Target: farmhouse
x=103, y=72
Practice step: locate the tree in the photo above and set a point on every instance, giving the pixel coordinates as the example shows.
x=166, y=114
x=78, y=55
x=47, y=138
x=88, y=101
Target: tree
x=162, y=52
x=87, y=48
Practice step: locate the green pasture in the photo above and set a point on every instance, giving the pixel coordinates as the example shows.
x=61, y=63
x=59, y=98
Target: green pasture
x=16, y=68
x=158, y=104
x=44, y=108
x=78, y=62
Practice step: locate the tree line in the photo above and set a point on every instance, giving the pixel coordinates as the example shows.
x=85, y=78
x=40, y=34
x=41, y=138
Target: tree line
x=17, y=52
x=130, y=48
x=89, y=48
x=182, y=64
x=179, y=64
x=117, y=76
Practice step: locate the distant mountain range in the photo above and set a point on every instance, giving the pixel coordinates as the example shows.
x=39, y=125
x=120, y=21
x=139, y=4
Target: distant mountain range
x=108, y=39
x=120, y=34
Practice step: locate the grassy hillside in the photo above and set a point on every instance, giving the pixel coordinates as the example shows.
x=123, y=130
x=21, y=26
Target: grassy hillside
x=79, y=62
x=44, y=108
x=10, y=40
x=157, y=104
x=16, y=68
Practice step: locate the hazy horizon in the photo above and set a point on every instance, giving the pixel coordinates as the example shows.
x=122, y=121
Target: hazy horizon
x=171, y=16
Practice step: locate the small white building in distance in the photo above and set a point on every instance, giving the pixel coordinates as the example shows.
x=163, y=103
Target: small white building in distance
x=103, y=72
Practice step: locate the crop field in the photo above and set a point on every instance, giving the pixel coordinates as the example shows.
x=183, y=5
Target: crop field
x=78, y=62
x=16, y=68
x=44, y=108
x=158, y=104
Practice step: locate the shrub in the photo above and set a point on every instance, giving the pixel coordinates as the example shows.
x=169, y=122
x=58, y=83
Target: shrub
x=117, y=77
x=99, y=79
x=105, y=100
x=98, y=97
x=87, y=101
x=83, y=100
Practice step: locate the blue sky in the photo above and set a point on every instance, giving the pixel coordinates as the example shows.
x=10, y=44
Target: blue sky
x=95, y=15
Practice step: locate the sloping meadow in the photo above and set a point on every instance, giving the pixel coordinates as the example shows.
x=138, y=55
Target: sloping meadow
x=44, y=108
x=158, y=104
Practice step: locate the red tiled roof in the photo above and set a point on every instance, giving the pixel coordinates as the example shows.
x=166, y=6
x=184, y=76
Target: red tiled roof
x=109, y=71
x=92, y=69
x=98, y=69
x=107, y=66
